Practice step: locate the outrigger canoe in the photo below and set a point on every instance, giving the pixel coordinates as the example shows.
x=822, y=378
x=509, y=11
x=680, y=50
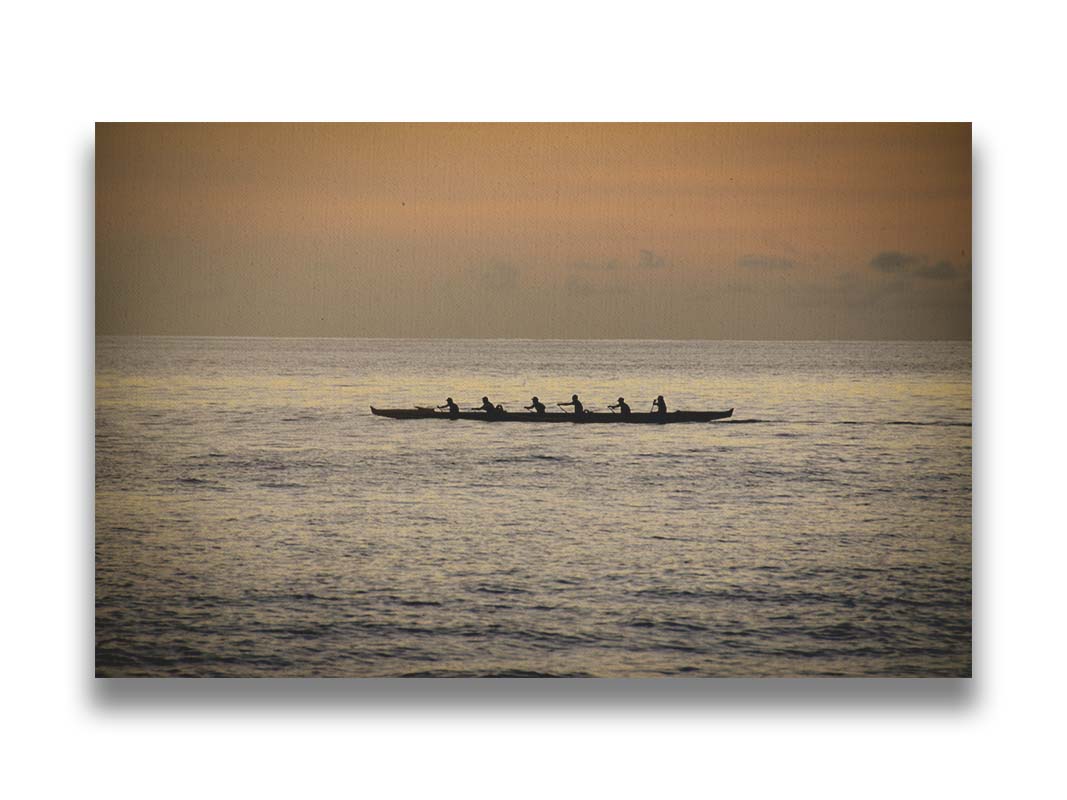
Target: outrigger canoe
x=555, y=416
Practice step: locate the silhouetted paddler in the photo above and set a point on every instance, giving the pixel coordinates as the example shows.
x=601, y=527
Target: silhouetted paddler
x=624, y=409
x=578, y=407
x=489, y=408
x=536, y=406
x=453, y=409
x=659, y=405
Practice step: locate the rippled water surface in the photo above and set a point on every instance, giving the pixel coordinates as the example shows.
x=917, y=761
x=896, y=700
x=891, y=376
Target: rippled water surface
x=254, y=519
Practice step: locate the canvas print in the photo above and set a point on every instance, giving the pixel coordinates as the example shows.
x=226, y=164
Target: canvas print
x=533, y=400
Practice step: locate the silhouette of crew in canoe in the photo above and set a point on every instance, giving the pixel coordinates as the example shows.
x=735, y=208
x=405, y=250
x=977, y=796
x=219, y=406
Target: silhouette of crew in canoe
x=578, y=407
x=453, y=409
x=659, y=405
x=624, y=409
x=536, y=406
x=489, y=408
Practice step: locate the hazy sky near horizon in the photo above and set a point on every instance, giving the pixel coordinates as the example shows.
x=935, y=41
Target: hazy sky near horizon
x=716, y=231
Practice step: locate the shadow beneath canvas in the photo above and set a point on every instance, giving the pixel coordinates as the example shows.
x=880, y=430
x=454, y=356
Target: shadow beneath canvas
x=833, y=695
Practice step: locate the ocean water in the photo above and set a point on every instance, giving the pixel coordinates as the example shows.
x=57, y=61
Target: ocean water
x=254, y=519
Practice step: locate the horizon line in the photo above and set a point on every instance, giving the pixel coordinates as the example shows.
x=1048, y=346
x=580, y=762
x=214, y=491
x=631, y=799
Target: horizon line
x=498, y=338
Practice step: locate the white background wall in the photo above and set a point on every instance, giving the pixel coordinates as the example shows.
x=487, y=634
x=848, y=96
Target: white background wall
x=66, y=65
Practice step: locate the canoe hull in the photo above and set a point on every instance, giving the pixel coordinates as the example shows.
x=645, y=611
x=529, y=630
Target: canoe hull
x=585, y=419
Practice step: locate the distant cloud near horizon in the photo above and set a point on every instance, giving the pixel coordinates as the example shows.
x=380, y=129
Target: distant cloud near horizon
x=649, y=260
x=910, y=265
x=894, y=261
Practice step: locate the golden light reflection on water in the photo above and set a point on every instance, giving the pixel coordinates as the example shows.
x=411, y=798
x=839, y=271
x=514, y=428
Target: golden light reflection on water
x=257, y=520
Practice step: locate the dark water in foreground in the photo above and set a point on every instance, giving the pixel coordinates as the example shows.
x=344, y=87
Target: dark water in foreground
x=253, y=518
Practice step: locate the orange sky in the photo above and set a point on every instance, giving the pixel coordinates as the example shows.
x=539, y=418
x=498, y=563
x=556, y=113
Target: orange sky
x=762, y=231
